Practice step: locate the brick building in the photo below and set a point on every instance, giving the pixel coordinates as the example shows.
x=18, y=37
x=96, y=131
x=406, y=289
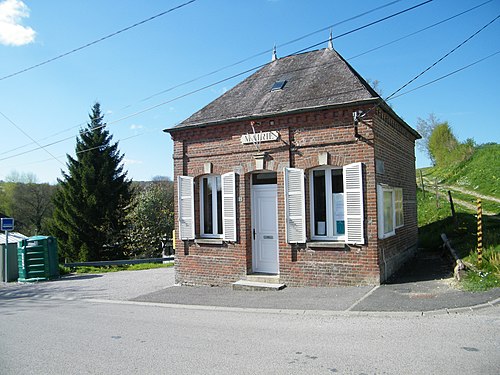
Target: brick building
x=302, y=172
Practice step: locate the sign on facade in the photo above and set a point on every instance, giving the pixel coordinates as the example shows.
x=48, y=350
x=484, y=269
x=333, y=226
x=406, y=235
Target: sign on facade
x=260, y=137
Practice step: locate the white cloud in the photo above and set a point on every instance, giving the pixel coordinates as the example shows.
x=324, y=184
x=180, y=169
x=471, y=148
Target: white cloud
x=136, y=127
x=12, y=33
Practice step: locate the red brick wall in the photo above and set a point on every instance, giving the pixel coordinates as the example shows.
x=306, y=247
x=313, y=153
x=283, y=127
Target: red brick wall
x=303, y=137
x=396, y=148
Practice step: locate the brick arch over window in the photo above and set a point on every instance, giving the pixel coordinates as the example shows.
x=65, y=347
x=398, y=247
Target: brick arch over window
x=332, y=161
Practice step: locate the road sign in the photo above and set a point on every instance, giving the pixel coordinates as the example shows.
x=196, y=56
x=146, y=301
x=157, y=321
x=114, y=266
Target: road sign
x=7, y=223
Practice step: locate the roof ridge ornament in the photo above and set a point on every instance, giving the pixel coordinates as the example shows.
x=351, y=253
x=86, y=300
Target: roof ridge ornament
x=330, y=41
x=274, y=58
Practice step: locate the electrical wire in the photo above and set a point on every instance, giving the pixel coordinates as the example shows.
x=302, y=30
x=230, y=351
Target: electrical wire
x=220, y=81
x=419, y=31
x=96, y=41
x=345, y=124
x=445, y=76
x=268, y=51
x=30, y=137
x=442, y=58
x=219, y=70
x=95, y=147
x=367, y=25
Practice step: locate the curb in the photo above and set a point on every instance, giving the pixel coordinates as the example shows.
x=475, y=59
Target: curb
x=333, y=313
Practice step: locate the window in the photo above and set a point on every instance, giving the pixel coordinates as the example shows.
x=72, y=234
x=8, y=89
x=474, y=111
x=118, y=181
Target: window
x=211, y=206
x=278, y=85
x=217, y=207
x=336, y=204
x=390, y=210
x=398, y=206
x=327, y=204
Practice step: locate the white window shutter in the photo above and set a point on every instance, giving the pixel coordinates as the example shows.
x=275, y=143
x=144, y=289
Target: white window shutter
x=295, y=209
x=229, y=206
x=353, y=203
x=185, y=191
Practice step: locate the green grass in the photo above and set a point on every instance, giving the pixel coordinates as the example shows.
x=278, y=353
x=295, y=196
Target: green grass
x=489, y=270
x=490, y=206
x=434, y=220
x=481, y=173
x=127, y=267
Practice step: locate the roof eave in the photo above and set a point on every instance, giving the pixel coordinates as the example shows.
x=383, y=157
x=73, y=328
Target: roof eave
x=388, y=108
x=264, y=115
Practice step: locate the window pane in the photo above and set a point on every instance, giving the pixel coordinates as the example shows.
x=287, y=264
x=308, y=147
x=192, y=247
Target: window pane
x=388, y=212
x=207, y=206
x=398, y=198
x=219, y=204
x=337, y=181
x=264, y=178
x=320, y=224
x=338, y=202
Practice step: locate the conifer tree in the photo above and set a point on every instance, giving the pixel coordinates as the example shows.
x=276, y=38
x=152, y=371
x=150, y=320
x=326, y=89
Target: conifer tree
x=89, y=206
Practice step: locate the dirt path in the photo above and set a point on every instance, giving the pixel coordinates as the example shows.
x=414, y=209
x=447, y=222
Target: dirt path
x=473, y=193
x=442, y=191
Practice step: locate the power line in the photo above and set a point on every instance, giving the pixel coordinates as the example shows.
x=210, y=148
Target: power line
x=345, y=124
x=95, y=147
x=221, y=69
x=269, y=50
x=367, y=25
x=30, y=137
x=228, y=78
x=419, y=31
x=446, y=75
x=442, y=58
x=97, y=40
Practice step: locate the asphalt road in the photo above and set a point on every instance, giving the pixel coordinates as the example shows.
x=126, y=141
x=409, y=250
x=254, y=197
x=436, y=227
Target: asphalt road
x=118, y=324
x=51, y=336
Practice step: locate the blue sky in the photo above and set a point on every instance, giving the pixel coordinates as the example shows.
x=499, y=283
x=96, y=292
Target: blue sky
x=50, y=103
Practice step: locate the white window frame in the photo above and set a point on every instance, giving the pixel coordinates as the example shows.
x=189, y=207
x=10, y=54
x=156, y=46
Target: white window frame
x=398, y=207
x=381, y=190
x=215, y=208
x=330, y=227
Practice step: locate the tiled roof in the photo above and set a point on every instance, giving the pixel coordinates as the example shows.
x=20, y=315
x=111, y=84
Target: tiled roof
x=308, y=81
x=313, y=80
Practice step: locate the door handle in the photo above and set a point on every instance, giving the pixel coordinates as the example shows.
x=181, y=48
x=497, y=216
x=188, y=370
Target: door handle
x=254, y=234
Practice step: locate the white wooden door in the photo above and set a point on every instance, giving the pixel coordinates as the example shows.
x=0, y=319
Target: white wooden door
x=265, y=229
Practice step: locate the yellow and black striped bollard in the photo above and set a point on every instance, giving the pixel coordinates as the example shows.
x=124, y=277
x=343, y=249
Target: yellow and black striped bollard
x=479, y=232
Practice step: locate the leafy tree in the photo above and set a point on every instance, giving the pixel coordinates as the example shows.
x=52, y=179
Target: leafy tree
x=441, y=144
x=89, y=213
x=6, y=192
x=445, y=149
x=27, y=201
x=32, y=207
x=151, y=219
x=425, y=127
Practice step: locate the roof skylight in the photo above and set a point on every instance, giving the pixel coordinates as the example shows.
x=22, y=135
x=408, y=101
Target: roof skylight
x=278, y=85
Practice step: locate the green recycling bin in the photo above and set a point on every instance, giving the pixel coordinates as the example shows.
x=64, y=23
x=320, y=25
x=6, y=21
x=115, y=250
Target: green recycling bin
x=37, y=259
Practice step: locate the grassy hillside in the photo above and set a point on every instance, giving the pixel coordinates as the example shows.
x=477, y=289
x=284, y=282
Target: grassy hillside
x=481, y=173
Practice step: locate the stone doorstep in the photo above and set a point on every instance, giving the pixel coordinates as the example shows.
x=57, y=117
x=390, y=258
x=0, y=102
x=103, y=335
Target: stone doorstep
x=263, y=278
x=257, y=286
